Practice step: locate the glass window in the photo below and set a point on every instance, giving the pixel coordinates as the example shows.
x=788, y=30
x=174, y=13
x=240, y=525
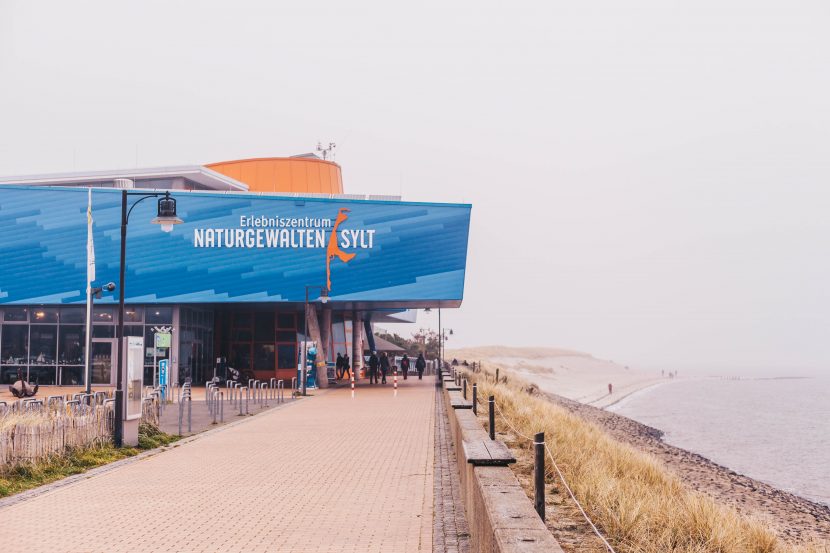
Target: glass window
x=149, y=344
x=43, y=375
x=44, y=315
x=264, y=326
x=71, y=345
x=43, y=345
x=338, y=332
x=264, y=357
x=242, y=335
x=286, y=336
x=133, y=330
x=15, y=345
x=287, y=320
x=71, y=375
x=159, y=315
x=73, y=315
x=286, y=356
x=8, y=373
x=240, y=357
x=103, y=331
x=103, y=314
x=15, y=314
x=242, y=319
x=133, y=314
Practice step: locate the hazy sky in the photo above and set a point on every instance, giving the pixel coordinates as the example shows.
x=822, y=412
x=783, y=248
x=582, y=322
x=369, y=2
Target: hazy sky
x=649, y=179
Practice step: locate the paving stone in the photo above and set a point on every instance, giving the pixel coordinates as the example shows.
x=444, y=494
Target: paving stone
x=327, y=474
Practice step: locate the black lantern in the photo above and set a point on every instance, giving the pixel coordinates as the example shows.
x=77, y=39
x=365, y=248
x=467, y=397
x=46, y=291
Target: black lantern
x=167, y=213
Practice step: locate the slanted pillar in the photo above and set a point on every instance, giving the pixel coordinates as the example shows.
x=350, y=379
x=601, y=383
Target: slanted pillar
x=325, y=334
x=357, y=348
x=313, y=326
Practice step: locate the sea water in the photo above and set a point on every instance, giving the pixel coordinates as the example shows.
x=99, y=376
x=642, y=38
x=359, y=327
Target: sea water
x=776, y=430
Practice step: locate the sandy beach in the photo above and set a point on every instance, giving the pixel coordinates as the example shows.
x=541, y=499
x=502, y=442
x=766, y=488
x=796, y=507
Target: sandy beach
x=567, y=373
x=578, y=382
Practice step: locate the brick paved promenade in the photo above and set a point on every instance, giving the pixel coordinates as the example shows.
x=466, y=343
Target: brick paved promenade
x=325, y=474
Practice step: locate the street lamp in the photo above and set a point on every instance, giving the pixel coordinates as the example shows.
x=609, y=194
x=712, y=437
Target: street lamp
x=324, y=298
x=95, y=293
x=166, y=217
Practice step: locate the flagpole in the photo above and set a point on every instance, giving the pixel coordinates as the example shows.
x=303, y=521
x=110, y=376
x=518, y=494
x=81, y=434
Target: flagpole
x=90, y=277
x=88, y=348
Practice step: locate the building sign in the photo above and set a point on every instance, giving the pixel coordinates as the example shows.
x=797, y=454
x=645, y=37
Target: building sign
x=163, y=339
x=287, y=233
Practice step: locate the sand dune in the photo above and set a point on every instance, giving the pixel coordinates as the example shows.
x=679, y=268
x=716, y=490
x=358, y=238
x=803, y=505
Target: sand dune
x=572, y=374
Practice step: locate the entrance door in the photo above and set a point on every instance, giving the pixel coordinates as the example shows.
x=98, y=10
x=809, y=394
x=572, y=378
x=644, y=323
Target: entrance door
x=104, y=353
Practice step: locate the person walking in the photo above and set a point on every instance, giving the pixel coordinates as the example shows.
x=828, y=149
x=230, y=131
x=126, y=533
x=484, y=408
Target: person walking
x=420, y=365
x=346, y=366
x=373, y=368
x=384, y=366
x=405, y=365
x=338, y=366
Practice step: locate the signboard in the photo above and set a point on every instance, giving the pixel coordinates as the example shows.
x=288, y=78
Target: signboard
x=163, y=367
x=163, y=339
x=135, y=376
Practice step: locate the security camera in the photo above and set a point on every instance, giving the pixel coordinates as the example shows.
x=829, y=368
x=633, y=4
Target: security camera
x=109, y=286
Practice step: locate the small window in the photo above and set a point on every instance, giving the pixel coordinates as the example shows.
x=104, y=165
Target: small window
x=242, y=319
x=286, y=356
x=287, y=320
x=264, y=357
x=73, y=315
x=133, y=314
x=15, y=345
x=286, y=336
x=103, y=314
x=16, y=314
x=44, y=315
x=159, y=315
x=103, y=331
x=264, y=326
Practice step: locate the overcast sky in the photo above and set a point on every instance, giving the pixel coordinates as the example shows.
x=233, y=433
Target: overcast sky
x=649, y=179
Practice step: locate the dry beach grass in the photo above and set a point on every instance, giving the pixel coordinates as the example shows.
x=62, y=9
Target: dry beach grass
x=638, y=503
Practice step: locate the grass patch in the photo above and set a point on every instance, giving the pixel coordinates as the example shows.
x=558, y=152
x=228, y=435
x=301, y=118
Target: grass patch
x=638, y=503
x=26, y=476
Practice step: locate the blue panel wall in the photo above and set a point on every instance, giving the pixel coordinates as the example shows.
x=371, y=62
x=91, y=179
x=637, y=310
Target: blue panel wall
x=418, y=250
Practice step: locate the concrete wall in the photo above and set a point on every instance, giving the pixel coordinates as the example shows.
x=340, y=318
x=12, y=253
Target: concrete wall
x=500, y=515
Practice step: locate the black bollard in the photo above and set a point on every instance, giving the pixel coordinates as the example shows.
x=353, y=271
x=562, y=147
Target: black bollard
x=492, y=404
x=465, y=388
x=539, y=474
x=475, y=398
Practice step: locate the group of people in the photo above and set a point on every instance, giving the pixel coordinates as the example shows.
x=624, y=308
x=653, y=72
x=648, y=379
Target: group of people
x=379, y=367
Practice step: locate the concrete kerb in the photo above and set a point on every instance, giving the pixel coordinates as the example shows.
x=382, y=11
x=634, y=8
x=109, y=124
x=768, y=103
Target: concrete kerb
x=97, y=471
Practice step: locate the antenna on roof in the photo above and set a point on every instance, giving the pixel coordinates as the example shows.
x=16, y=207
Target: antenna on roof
x=328, y=151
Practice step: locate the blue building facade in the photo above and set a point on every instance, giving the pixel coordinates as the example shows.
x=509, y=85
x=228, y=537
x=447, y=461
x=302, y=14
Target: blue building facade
x=231, y=279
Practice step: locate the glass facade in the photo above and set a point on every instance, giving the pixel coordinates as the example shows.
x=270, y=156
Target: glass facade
x=195, y=344
x=47, y=344
x=258, y=339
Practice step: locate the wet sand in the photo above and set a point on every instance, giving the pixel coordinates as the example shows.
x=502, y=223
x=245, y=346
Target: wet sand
x=794, y=518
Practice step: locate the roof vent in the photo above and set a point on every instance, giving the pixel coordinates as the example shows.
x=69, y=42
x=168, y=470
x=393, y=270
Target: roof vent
x=124, y=184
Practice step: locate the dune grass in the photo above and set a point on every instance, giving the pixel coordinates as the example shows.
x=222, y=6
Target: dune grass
x=25, y=476
x=639, y=505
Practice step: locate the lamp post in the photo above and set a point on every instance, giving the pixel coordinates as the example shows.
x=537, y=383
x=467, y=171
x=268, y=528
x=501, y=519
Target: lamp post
x=324, y=297
x=95, y=293
x=166, y=218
